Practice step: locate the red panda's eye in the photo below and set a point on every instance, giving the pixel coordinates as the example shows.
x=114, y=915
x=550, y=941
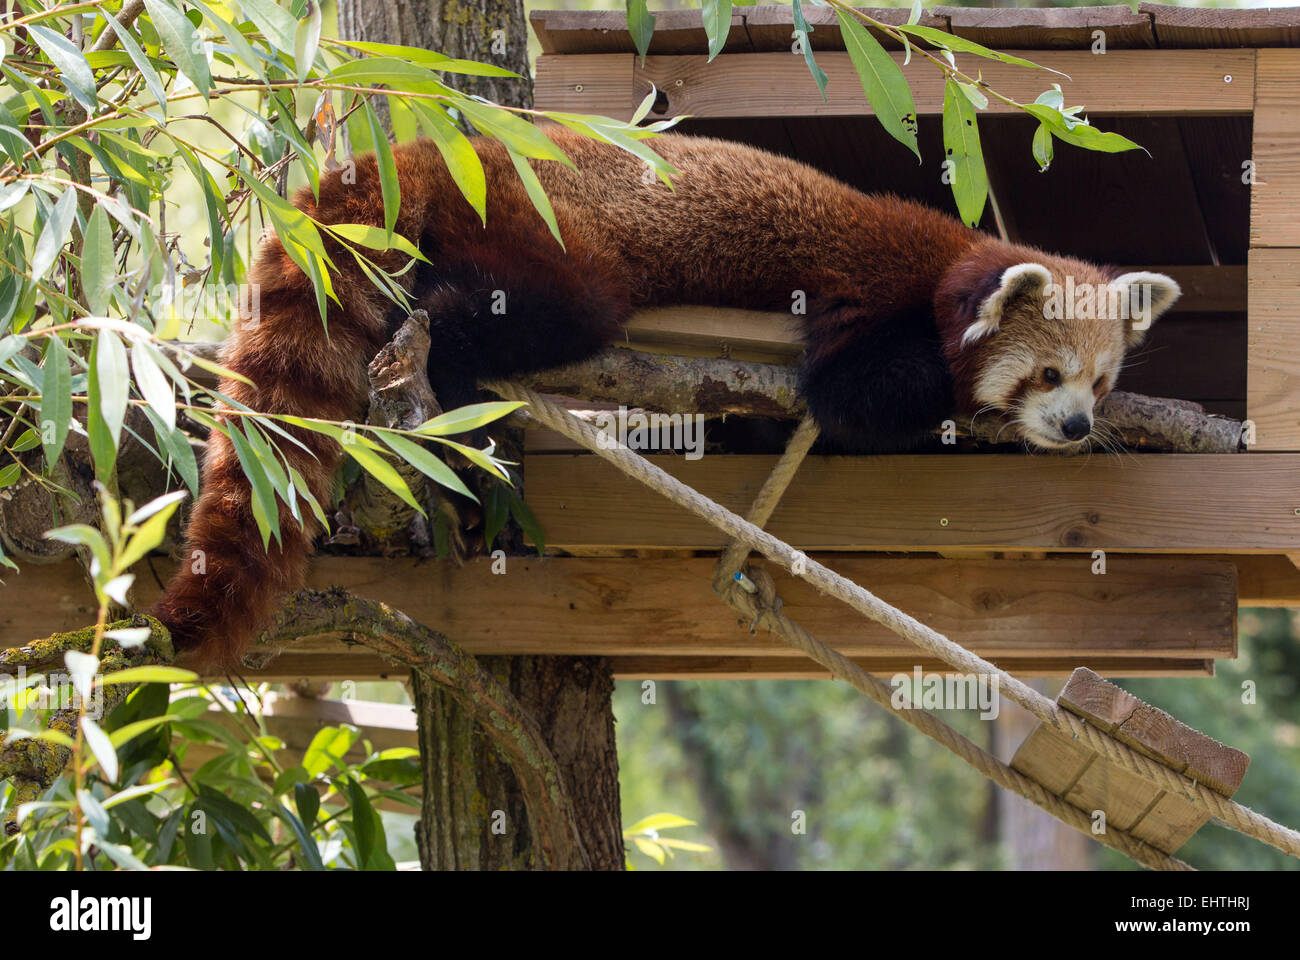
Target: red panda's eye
x=1052, y=375
x=1098, y=383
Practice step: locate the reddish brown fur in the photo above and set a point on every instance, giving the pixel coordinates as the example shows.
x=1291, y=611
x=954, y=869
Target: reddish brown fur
x=743, y=228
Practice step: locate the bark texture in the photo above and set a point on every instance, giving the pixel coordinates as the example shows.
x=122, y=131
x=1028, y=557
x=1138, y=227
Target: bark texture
x=474, y=816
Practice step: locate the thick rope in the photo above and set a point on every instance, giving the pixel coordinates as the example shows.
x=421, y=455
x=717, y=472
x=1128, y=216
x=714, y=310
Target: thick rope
x=762, y=608
x=1225, y=810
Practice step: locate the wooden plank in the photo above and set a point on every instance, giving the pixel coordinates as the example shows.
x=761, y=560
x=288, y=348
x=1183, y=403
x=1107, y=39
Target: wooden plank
x=1143, y=82
x=771, y=27
x=593, y=83
x=1142, y=503
x=605, y=31
x=1153, y=732
x=1272, y=358
x=1267, y=581
x=1144, y=608
x=1052, y=28
x=1206, y=289
x=1177, y=26
x=321, y=665
x=1275, y=194
x=1088, y=782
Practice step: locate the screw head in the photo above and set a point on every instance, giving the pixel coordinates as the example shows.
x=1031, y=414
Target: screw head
x=577, y=88
x=943, y=521
x=1227, y=78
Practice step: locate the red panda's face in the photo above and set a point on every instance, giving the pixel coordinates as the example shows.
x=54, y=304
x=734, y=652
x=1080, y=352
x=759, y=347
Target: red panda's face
x=1048, y=342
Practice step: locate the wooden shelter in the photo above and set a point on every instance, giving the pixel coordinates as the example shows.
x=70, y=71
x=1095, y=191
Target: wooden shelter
x=998, y=551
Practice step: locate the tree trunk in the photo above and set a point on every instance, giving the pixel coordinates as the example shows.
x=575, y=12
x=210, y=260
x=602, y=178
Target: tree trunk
x=1032, y=839
x=489, y=31
x=473, y=815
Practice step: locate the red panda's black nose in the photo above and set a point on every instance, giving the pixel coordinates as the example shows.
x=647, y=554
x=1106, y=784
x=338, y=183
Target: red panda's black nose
x=1077, y=427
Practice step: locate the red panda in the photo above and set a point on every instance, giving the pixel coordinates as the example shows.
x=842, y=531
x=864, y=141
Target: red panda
x=910, y=316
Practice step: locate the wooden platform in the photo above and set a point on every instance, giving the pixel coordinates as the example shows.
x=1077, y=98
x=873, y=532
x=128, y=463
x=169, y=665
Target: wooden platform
x=658, y=617
x=1089, y=782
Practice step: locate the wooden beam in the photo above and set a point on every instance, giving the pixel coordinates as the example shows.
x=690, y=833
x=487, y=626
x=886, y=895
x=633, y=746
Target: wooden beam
x=317, y=666
x=768, y=337
x=1140, y=607
x=1123, y=82
x=1140, y=503
x=1052, y=28
x=1273, y=360
x=1177, y=26
x=1267, y=581
x=1275, y=154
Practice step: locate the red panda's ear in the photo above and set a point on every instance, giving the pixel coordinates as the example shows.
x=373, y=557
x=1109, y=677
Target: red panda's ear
x=1024, y=279
x=1147, y=296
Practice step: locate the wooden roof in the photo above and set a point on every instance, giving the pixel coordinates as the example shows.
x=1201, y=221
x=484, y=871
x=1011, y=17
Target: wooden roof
x=768, y=28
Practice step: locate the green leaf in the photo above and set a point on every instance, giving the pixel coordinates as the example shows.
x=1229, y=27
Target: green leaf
x=151, y=674
x=310, y=852
x=151, y=79
x=182, y=43
x=514, y=131
x=383, y=471
x=537, y=194
x=425, y=462
x=426, y=58
x=1042, y=147
x=650, y=849
x=243, y=49
x=276, y=23
x=130, y=793
x=950, y=41
x=658, y=821
x=495, y=511
x=882, y=81
x=265, y=512
x=101, y=746
x=176, y=445
x=801, y=23
x=27, y=440
x=73, y=70
x=467, y=418
x=458, y=153
x=153, y=383
x=306, y=41
x=376, y=239
x=307, y=800
x=528, y=523
x=9, y=475
x=641, y=24
x=54, y=235
x=97, y=266
x=372, y=845
x=1080, y=134
x=125, y=734
x=56, y=400
x=717, y=24
x=114, y=382
x=328, y=747
x=388, y=183
x=961, y=142
x=84, y=535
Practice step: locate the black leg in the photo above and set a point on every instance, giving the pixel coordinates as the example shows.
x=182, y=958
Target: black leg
x=882, y=387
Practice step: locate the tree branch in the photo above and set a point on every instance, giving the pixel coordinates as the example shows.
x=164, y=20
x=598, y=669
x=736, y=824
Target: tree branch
x=403, y=641
x=715, y=387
